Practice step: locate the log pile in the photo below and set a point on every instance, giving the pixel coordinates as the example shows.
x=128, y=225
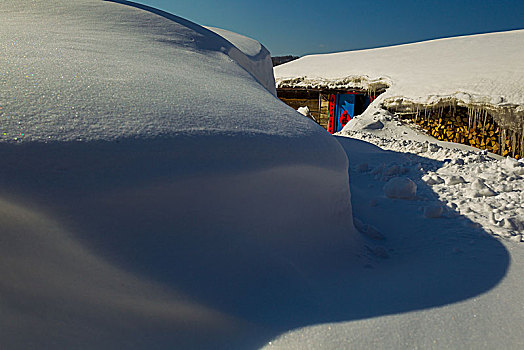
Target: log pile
x=459, y=126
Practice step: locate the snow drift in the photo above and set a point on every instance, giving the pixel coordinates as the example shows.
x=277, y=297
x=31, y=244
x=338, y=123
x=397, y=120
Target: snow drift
x=153, y=190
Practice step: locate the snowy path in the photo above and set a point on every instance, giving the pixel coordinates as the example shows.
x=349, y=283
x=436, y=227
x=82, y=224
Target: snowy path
x=431, y=282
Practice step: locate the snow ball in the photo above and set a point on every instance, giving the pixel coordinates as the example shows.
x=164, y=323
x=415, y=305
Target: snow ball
x=303, y=110
x=432, y=179
x=433, y=147
x=433, y=211
x=454, y=180
x=481, y=187
x=400, y=187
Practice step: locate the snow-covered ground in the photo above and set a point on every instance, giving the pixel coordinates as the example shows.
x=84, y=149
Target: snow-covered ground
x=445, y=268
x=154, y=194
x=435, y=211
x=484, y=187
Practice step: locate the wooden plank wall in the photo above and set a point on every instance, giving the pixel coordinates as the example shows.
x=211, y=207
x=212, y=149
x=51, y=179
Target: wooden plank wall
x=321, y=114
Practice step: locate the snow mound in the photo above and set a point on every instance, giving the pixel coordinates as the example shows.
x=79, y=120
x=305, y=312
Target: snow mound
x=154, y=193
x=400, y=187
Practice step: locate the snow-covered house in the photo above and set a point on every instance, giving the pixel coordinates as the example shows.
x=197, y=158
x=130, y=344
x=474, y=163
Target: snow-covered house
x=465, y=89
x=331, y=106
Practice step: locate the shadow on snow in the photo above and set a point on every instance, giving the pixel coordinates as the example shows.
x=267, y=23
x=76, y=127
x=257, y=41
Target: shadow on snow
x=429, y=262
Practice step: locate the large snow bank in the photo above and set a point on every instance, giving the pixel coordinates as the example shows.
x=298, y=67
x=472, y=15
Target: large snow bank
x=477, y=71
x=153, y=193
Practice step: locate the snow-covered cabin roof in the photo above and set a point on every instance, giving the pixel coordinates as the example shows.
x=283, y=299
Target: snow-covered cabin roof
x=484, y=71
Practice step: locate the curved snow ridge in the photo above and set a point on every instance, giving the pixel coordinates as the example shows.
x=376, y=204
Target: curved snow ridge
x=256, y=65
x=483, y=69
x=259, y=63
x=248, y=46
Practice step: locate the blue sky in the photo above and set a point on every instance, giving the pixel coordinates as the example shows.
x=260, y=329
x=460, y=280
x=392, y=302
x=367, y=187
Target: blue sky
x=307, y=26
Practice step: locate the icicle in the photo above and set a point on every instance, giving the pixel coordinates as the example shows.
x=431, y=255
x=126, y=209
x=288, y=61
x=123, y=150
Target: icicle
x=475, y=118
x=522, y=143
x=469, y=121
x=513, y=143
x=502, y=140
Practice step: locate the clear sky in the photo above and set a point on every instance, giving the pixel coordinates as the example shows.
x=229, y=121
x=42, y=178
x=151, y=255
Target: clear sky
x=301, y=27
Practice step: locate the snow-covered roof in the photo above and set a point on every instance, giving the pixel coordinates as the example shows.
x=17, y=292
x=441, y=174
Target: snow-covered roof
x=484, y=70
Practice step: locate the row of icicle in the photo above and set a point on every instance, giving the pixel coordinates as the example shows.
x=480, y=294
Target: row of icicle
x=477, y=115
